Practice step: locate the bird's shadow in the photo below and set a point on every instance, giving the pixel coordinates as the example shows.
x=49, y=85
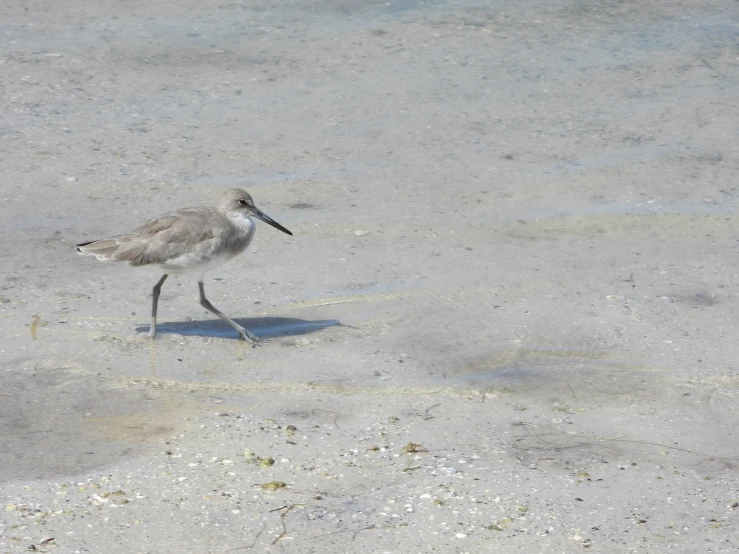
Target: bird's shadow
x=262, y=327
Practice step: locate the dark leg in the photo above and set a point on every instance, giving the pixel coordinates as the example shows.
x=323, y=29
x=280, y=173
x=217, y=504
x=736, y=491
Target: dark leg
x=243, y=333
x=155, y=300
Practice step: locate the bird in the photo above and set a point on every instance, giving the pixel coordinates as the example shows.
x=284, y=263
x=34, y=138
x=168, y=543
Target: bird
x=189, y=241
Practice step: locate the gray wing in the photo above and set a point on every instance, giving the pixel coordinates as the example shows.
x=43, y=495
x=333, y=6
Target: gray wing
x=160, y=240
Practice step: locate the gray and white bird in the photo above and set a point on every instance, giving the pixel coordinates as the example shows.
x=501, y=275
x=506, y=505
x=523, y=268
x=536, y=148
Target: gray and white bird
x=190, y=241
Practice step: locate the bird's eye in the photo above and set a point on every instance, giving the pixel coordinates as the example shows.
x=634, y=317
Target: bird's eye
x=242, y=202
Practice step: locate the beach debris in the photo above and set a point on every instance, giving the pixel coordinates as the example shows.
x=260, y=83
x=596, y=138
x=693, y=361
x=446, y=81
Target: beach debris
x=252, y=458
x=426, y=415
x=500, y=525
x=414, y=448
x=335, y=414
x=37, y=322
x=274, y=485
x=584, y=542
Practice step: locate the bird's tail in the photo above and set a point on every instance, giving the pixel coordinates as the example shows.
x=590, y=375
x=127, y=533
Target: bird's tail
x=101, y=249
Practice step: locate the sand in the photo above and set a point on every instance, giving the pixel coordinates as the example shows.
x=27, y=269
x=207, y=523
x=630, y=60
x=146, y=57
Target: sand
x=506, y=320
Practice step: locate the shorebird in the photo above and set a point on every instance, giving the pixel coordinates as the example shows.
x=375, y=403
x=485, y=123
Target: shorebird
x=190, y=241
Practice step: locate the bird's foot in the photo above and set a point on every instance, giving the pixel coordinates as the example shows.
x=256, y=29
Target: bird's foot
x=248, y=337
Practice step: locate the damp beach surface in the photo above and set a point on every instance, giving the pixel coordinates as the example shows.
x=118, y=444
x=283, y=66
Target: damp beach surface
x=505, y=322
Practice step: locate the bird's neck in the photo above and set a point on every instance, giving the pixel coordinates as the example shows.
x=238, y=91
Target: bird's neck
x=243, y=223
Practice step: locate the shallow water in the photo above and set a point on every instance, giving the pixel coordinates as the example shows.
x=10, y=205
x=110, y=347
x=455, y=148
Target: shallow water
x=530, y=211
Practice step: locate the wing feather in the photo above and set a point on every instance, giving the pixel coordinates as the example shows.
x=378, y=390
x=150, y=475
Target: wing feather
x=163, y=239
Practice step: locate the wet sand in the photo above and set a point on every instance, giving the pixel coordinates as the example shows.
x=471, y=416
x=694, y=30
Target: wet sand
x=505, y=321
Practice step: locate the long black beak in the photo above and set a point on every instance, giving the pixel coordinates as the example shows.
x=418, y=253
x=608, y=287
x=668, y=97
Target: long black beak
x=256, y=212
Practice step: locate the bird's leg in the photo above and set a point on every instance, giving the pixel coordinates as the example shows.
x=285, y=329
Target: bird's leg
x=155, y=300
x=243, y=333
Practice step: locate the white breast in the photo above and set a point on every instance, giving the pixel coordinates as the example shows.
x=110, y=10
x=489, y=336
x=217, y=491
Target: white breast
x=216, y=251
